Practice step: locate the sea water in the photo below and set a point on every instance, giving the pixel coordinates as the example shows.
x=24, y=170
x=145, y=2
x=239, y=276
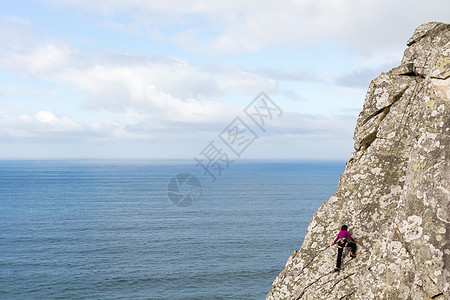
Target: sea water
x=107, y=229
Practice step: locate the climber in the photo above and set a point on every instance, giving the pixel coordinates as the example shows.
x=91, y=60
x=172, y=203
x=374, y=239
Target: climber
x=343, y=240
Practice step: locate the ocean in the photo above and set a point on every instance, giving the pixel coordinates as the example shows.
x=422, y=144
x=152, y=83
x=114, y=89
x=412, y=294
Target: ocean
x=94, y=229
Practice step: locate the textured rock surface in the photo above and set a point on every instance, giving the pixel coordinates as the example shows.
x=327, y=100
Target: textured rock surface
x=394, y=193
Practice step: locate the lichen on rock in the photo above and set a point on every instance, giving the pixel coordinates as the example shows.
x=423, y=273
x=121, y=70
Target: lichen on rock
x=394, y=193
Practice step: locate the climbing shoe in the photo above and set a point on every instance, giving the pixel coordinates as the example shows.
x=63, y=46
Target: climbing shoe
x=337, y=269
x=353, y=255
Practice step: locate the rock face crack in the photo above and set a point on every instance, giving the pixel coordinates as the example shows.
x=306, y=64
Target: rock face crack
x=340, y=280
x=437, y=295
x=312, y=283
x=394, y=192
x=346, y=296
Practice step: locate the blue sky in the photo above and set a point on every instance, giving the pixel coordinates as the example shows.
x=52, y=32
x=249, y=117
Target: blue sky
x=139, y=79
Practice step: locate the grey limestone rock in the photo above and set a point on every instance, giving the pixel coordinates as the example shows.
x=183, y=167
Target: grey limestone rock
x=394, y=193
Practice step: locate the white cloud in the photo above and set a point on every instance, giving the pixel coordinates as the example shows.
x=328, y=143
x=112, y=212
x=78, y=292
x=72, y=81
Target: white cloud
x=47, y=125
x=165, y=88
x=159, y=102
x=170, y=101
x=23, y=48
x=25, y=125
x=171, y=88
x=375, y=29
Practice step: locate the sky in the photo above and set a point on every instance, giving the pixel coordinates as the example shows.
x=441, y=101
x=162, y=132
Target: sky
x=136, y=79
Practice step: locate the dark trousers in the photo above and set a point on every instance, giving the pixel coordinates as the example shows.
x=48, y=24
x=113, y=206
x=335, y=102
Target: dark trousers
x=341, y=250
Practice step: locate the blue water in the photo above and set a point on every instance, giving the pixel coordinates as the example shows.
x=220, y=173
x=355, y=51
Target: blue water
x=107, y=230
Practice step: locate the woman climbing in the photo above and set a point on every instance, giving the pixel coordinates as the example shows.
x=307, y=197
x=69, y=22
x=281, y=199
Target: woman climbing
x=344, y=239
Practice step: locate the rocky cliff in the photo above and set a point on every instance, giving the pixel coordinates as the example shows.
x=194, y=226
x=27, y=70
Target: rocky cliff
x=394, y=193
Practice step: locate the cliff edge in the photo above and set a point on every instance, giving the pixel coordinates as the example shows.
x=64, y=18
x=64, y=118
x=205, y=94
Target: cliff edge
x=394, y=193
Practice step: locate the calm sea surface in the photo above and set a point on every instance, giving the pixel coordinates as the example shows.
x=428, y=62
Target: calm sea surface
x=107, y=229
